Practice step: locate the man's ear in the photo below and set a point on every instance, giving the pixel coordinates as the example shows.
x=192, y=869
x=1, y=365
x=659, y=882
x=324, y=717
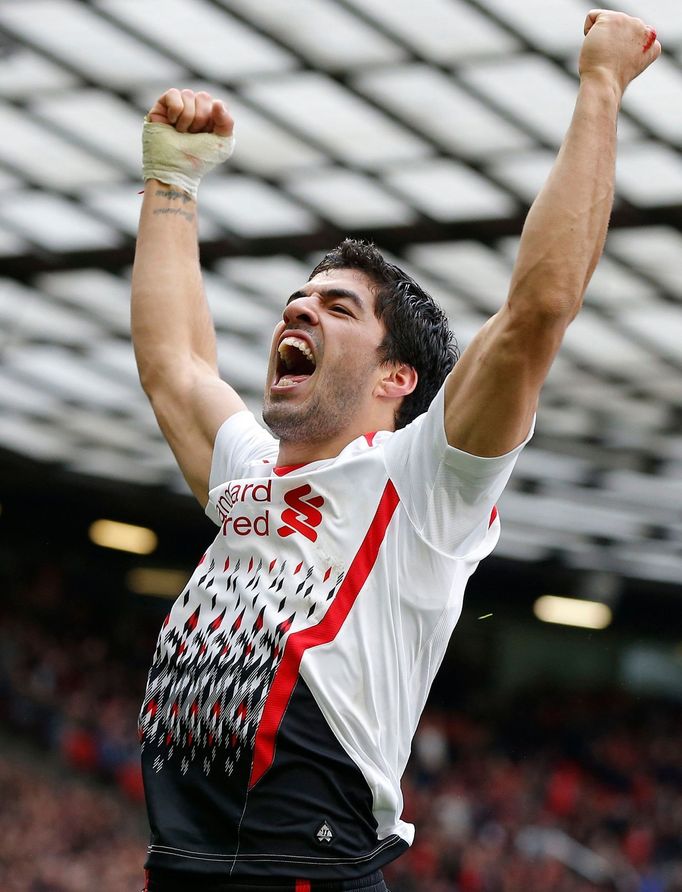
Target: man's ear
x=396, y=382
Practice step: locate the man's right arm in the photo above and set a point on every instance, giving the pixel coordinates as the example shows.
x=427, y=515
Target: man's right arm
x=172, y=329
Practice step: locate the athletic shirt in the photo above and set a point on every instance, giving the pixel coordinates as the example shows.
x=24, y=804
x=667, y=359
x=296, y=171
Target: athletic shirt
x=290, y=674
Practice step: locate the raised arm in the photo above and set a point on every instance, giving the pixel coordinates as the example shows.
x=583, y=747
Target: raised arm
x=172, y=329
x=492, y=392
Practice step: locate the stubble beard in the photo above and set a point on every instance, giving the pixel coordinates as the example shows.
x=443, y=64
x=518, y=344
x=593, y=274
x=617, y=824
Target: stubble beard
x=319, y=418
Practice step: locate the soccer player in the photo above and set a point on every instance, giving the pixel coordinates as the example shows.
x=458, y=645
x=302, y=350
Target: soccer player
x=290, y=674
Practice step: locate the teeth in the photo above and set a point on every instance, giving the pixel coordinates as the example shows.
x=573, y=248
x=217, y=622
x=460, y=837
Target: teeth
x=299, y=345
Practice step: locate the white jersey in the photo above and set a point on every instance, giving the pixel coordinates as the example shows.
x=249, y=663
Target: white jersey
x=291, y=673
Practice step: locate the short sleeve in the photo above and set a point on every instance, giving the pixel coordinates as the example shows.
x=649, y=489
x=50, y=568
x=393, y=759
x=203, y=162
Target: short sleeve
x=240, y=441
x=449, y=495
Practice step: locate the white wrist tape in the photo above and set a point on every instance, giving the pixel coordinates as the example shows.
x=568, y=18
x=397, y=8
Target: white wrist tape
x=181, y=159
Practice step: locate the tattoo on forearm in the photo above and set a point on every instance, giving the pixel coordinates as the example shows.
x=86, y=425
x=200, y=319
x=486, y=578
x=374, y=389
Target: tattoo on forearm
x=175, y=212
x=173, y=194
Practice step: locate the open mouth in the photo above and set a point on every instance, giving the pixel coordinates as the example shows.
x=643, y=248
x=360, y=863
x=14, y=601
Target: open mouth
x=295, y=362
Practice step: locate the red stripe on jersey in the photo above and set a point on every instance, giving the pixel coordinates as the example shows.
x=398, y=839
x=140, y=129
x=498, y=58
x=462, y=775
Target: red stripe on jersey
x=325, y=631
x=370, y=438
x=302, y=886
x=493, y=516
x=287, y=469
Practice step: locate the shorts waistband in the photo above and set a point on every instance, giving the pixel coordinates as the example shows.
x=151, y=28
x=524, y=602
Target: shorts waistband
x=176, y=881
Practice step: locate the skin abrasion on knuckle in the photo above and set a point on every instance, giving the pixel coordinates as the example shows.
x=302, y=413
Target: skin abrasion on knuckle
x=650, y=40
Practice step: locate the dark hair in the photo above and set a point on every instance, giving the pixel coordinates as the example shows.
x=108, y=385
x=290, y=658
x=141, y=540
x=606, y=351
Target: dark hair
x=417, y=330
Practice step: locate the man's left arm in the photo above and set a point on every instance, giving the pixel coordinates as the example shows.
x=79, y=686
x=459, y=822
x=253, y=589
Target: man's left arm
x=491, y=394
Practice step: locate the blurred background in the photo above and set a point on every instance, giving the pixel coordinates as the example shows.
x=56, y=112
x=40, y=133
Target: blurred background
x=549, y=757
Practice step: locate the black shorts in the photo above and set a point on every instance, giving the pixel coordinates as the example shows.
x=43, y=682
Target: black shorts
x=172, y=881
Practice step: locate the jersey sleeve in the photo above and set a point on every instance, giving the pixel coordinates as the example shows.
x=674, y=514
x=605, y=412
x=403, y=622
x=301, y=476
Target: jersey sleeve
x=240, y=442
x=449, y=495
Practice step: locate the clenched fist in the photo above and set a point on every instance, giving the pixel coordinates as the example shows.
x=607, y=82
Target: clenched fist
x=191, y=112
x=185, y=135
x=617, y=46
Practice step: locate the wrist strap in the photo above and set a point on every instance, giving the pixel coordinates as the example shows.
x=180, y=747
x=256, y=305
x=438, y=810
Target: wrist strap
x=181, y=159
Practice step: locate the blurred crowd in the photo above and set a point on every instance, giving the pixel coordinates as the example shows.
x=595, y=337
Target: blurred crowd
x=72, y=679
x=562, y=793
x=60, y=834
x=553, y=792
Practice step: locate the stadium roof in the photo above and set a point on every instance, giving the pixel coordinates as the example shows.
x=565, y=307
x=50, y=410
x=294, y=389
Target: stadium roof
x=429, y=127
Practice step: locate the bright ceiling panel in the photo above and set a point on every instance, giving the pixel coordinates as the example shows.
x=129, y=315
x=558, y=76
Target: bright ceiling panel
x=475, y=268
x=355, y=131
x=41, y=441
x=255, y=136
x=239, y=364
x=452, y=117
x=670, y=449
x=529, y=19
x=11, y=243
x=119, y=205
x=614, y=287
x=582, y=515
x=98, y=120
x=540, y=465
x=621, y=413
x=115, y=359
x=563, y=422
x=650, y=98
x=8, y=181
x=666, y=389
x=598, y=344
x=25, y=315
x=112, y=465
x=24, y=73
x=271, y=278
x=74, y=34
x=95, y=429
x=69, y=376
x=524, y=172
x=220, y=46
x=659, y=326
x=350, y=199
x=441, y=30
x=656, y=250
x=446, y=190
x=250, y=207
x=236, y=311
x=41, y=155
x=528, y=542
x=326, y=34
x=649, y=174
x=55, y=223
x=96, y=293
x=26, y=398
x=643, y=488
x=650, y=563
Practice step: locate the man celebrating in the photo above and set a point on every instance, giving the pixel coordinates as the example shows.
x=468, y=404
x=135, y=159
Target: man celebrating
x=290, y=674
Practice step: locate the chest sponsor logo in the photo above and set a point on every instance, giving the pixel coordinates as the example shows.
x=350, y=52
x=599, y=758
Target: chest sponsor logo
x=300, y=517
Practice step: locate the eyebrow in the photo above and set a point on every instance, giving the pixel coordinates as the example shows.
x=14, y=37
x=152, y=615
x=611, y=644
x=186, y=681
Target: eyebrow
x=332, y=293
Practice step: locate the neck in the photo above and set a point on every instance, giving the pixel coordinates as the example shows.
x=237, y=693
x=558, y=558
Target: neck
x=302, y=452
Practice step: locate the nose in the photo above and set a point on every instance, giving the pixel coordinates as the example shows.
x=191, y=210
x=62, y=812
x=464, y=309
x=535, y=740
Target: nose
x=302, y=309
